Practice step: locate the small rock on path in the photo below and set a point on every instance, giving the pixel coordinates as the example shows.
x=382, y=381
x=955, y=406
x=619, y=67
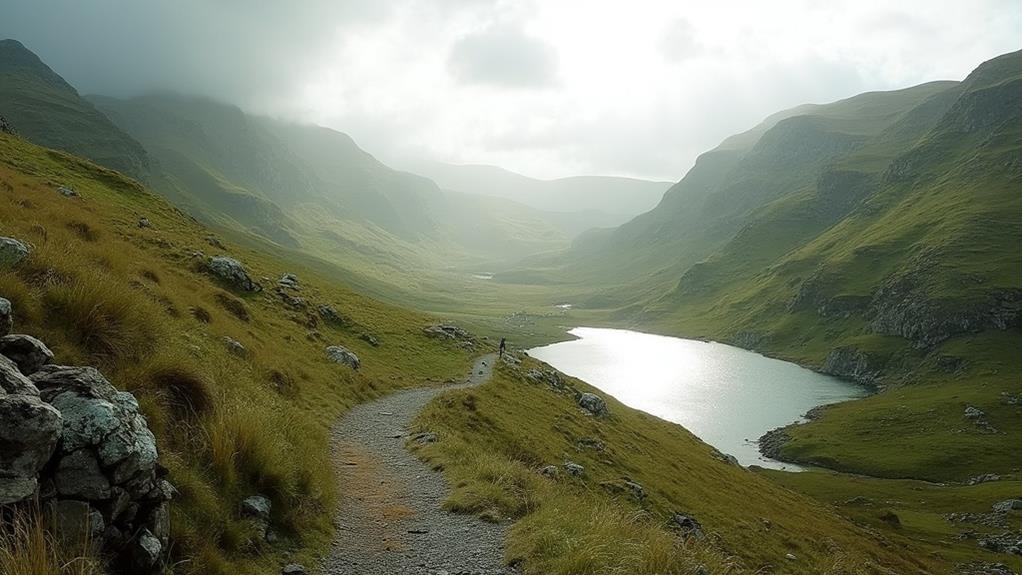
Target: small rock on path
x=391, y=519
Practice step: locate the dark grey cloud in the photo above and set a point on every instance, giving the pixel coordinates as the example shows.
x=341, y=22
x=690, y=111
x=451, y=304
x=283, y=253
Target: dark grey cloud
x=503, y=56
x=228, y=49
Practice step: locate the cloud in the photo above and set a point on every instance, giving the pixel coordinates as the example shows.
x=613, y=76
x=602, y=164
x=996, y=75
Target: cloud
x=549, y=88
x=503, y=56
x=678, y=41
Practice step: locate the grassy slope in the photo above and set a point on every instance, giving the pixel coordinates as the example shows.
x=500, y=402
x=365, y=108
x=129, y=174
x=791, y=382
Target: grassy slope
x=951, y=227
x=101, y=291
x=493, y=440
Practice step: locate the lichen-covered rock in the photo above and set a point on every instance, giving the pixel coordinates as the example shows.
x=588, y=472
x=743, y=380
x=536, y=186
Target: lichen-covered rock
x=257, y=506
x=78, y=476
x=28, y=352
x=342, y=355
x=574, y=469
x=96, y=415
x=230, y=271
x=12, y=251
x=6, y=316
x=29, y=431
x=594, y=404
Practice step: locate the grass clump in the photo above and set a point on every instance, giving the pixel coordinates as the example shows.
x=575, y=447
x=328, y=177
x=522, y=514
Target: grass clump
x=29, y=547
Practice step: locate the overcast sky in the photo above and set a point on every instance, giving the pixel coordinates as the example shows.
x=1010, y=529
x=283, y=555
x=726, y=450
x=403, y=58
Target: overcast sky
x=547, y=88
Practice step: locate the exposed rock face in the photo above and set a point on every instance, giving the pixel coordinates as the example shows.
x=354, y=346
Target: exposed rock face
x=6, y=316
x=29, y=431
x=342, y=355
x=28, y=352
x=69, y=429
x=854, y=364
x=594, y=404
x=900, y=306
x=12, y=251
x=230, y=271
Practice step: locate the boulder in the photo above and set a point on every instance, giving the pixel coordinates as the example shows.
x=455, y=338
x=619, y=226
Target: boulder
x=1008, y=505
x=29, y=431
x=293, y=569
x=985, y=478
x=67, y=191
x=231, y=272
x=144, y=223
x=28, y=352
x=289, y=281
x=12, y=381
x=594, y=404
x=78, y=476
x=12, y=251
x=146, y=552
x=330, y=315
x=973, y=413
x=6, y=316
x=96, y=415
x=549, y=377
x=257, y=506
x=687, y=525
x=625, y=486
x=342, y=355
x=574, y=469
x=371, y=339
x=234, y=346
x=549, y=471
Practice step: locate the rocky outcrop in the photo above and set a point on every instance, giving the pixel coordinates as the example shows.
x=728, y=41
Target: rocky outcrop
x=686, y=524
x=447, y=331
x=771, y=442
x=901, y=306
x=6, y=127
x=330, y=315
x=854, y=364
x=342, y=355
x=625, y=486
x=548, y=377
x=289, y=281
x=231, y=272
x=594, y=404
x=234, y=346
x=1008, y=506
x=83, y=450
x=574, y=469
x=12, y=251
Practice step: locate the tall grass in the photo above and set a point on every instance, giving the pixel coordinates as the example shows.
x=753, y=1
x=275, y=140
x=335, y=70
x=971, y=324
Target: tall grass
x=28, y=547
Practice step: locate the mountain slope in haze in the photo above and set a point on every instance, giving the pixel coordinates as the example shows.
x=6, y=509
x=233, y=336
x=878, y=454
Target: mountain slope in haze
x=875, y=239
x=599, y=201
x=46, y=109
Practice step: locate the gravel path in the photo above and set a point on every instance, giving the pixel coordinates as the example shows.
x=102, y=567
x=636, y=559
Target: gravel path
x=390, y=520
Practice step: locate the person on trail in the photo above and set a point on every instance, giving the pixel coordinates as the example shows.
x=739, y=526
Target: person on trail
x=503, y=347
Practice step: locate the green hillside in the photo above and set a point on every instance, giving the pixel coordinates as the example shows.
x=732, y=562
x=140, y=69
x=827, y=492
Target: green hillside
x=876, y=239
x=46, y=109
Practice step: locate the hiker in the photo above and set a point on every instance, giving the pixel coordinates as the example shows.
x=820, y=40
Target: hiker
x=503, y=347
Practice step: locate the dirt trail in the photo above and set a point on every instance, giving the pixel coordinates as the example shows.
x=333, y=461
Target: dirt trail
x=390, y=520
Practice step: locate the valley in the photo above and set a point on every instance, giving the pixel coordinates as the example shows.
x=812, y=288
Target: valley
x=873, y=240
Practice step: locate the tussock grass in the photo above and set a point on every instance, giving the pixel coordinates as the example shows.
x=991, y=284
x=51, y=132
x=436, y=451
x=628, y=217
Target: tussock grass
x=28, y=547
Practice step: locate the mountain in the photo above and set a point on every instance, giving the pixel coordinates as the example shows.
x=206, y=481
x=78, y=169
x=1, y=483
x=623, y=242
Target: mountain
x=46, y=109
x=876, y=239
x=600, y=201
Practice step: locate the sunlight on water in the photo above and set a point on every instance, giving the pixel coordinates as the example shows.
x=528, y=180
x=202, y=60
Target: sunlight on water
x=725, y=395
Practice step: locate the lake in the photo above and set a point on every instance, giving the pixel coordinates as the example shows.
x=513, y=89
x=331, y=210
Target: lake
x=726, y=395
